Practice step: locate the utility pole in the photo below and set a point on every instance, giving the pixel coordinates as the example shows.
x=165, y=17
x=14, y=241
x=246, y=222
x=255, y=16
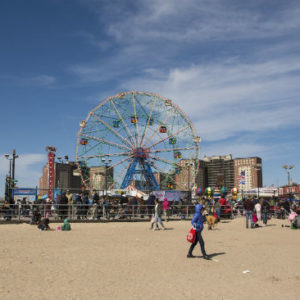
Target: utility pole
x=14, y=156
x=106, y=163
x=288, y=169
x=10, y=180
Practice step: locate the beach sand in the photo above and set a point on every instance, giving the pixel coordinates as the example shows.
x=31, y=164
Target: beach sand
x=129, y=261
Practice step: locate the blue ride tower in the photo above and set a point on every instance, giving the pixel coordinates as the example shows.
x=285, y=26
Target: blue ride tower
x=140, y=172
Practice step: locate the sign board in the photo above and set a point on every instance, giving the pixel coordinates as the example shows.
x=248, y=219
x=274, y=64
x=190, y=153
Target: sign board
x=24, y=191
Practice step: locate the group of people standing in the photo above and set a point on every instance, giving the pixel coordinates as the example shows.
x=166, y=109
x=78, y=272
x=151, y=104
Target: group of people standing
x=256, y=210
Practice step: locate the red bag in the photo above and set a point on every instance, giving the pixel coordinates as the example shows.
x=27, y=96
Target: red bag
x=191, y=235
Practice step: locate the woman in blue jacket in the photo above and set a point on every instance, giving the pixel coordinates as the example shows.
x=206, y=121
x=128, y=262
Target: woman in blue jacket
x=197, y=222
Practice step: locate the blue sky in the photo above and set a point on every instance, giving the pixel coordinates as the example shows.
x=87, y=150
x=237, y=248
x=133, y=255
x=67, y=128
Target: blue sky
x=232, y=66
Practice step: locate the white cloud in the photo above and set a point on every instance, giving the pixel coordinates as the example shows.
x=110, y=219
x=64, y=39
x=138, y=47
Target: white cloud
x=93, y=40
x=194, y=20
x=38, y=80
x=225, y=99
x=43, y=80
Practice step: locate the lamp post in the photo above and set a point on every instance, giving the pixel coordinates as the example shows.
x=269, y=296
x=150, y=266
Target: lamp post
x=10, y=162
x=60, y=158
x=288, y=168
x=189, y=165
x=257, y=168
x=106, y=163
x=11, y=183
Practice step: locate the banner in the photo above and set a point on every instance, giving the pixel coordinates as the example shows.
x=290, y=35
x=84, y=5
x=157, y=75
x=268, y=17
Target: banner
x=170, y=195
x=160, y=195
x=24, y=191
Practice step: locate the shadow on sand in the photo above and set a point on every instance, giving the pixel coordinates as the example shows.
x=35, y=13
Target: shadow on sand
x=211, y=255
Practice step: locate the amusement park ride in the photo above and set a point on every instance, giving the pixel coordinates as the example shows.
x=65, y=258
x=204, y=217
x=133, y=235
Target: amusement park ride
x=142, y=134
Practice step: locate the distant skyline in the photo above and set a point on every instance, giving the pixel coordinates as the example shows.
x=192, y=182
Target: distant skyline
x=232, y=66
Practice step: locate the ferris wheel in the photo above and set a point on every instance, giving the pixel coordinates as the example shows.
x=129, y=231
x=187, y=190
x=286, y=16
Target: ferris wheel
x=140, y=138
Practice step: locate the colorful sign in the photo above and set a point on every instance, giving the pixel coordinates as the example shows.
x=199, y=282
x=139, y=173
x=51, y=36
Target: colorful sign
x=24, y=191
x=51, y=156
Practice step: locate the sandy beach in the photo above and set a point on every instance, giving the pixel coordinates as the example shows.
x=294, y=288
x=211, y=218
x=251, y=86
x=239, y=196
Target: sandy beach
x=129, y=261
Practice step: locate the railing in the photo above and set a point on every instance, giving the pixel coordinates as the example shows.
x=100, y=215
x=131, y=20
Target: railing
x=98, y=212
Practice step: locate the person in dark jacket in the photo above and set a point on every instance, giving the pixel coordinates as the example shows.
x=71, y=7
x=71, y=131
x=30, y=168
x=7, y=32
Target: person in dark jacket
x=44, y=224
x=150, y=205
x=79, y=206
x=249, y=207
x=36, y=217
x=96, y=197
x=265, y=209
x=197, y=222
x=63, y=206
x=85, y=204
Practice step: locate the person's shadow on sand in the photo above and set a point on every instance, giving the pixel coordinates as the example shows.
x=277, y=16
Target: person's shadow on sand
x=212, y=254
x=216, y=254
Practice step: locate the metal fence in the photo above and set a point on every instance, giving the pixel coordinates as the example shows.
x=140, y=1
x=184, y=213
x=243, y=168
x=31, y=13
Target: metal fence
x=31, y=212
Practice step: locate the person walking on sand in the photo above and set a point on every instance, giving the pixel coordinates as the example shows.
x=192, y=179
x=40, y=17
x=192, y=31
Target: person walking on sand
x=70, y=197
x=197, y=222
x=248, y=206
x=157, y=215
x=257, y=207
x=265, y=209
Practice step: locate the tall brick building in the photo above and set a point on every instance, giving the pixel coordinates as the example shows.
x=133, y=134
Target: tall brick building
x=101, y=178
x=63, y=178
x=248, y=173
x=186, y=179
x=220, y=171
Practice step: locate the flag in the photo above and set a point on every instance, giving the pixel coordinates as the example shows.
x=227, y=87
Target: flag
x=242, y=182
x=241, y=176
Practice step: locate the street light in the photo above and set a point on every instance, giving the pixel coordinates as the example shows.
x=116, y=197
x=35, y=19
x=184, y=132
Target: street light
x=10, y=160
x=60, y=159
x=189, y=165
x=288, y=168
x=11, y=171
x=257, y=168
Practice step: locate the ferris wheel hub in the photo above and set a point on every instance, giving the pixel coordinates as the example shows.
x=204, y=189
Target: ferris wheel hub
x=140, y=152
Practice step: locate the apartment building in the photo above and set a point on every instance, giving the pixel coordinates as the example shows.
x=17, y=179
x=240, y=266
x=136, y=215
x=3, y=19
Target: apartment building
x=248, y=173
